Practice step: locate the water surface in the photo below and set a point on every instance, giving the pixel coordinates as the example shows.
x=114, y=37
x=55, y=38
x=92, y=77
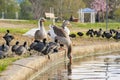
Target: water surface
x=105, y=67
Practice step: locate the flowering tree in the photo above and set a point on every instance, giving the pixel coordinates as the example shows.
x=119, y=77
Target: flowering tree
x=100, y=7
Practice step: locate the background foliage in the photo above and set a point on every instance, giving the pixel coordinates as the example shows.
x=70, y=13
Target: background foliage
x=34, y=9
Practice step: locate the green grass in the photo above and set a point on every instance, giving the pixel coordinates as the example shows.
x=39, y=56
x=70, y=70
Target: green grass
x=20, y=21
x=4, y=63
x=7, y=61
x=96, y=25
x=14, y=30
x=48, y=22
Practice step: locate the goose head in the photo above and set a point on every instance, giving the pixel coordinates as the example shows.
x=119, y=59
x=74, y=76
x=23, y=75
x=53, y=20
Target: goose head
x=65, y=23
x=40, y=21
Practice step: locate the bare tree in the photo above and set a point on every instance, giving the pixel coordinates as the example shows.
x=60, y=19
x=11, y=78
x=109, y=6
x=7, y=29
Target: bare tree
x=37, y=8
x=65, y=7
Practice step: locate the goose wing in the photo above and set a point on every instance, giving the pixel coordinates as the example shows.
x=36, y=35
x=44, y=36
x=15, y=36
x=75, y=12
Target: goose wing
x=59, y=32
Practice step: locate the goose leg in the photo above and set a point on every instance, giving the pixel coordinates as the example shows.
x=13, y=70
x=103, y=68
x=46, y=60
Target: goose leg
x=48, y=56
x=69, y=57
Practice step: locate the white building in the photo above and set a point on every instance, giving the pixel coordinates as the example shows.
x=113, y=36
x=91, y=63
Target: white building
x=82, y=12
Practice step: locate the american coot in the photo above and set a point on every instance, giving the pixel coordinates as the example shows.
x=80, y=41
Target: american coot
x=21, y=49
x=14, y=47
x=4, y=51
x=8, y=37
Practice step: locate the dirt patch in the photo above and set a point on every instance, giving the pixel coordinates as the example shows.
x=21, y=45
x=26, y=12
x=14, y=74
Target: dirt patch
x=14, y=25
x=18, y=37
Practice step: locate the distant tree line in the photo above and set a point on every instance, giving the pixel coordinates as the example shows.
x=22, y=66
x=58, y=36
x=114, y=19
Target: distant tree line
x=34, y=9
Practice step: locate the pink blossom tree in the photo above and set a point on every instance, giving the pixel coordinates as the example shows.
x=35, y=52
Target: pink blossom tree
x=100, y=7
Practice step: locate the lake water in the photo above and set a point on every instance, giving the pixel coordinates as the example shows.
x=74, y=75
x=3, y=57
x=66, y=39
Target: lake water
x=105, y=67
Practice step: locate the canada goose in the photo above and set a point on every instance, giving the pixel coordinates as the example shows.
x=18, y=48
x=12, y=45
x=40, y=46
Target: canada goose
x=41, y=33
x=31, y=32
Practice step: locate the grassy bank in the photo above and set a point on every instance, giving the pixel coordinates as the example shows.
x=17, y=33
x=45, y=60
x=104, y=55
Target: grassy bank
x=21, y=27
x=6, y=62
x=24, y=25
x=97, y=25
x=14, y=30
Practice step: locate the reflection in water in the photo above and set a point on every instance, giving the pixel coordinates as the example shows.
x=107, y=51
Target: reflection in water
x=106, y=60
x=60, y=76
x=105, y=67
x=69, y=68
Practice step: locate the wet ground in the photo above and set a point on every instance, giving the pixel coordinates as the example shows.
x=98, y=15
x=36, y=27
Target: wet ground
x=105, y=67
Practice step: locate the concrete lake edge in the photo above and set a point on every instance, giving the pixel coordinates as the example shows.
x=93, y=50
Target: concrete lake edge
x=34, y=65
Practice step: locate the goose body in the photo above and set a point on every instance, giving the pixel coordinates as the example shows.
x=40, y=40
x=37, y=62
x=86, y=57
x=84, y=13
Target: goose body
x=31, y=32
x=41, y=33
x=63, y=38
